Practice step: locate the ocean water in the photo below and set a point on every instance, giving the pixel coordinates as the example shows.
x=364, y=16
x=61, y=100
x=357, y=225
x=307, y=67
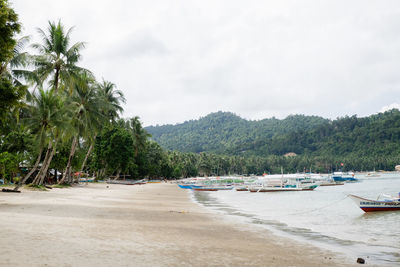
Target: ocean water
x=325, y=217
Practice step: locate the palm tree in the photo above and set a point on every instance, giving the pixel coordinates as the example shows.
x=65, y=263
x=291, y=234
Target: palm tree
x=86, y=107
x=112, y=99
x=57, y=59
x=140, y=135
x=46, y=120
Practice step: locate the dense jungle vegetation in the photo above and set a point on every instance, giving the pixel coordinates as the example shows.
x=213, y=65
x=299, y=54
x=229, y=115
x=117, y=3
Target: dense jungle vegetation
x=362, y=143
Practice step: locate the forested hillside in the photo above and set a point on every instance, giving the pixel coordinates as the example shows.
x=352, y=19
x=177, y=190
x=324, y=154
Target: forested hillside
x=228, y=134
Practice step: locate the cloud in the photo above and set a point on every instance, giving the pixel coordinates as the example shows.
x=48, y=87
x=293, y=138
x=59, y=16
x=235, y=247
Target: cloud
x=391, y=106
x=180, y=61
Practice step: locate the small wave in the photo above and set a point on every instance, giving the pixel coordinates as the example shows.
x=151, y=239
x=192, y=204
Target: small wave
x=381, y=255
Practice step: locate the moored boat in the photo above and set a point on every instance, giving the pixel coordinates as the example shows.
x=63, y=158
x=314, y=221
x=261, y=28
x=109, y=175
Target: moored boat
x=205, y=189
x=344, y=177
x=372, y=174
x=284, y=188
x=328, y=183
x=185, y=186
x=127, y=182
x=212, y=188
x=242, y=188
x=367, y=205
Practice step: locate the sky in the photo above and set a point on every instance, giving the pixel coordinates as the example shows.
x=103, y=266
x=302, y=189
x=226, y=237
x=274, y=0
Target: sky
x=181, y=60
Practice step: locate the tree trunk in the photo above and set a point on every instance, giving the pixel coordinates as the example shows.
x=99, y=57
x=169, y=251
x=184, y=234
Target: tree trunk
x=116, y=177
x=21, y=182
x=84, y=161
x=56, y=80
x=43, y=164
x=47, y=165
x=67, y=172
x=102, y=173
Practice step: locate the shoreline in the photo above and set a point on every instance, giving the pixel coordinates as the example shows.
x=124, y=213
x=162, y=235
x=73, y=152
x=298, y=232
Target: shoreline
x=146, y=225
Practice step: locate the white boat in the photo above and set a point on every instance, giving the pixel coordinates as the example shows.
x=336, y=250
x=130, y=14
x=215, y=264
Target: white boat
x=283, y=188
x=386, y=204
x=241, y=188
x=372, y=174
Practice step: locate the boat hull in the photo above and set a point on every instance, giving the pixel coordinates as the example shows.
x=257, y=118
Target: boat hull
x=242, y=189
x=344, y=179
x=282, y=189
x=368, y=205
x=185, y=186
x=126, y=182
x=331, y=184
x=205, y=189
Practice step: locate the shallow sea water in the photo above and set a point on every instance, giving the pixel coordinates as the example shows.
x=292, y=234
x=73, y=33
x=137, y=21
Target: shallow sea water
x=325, y=217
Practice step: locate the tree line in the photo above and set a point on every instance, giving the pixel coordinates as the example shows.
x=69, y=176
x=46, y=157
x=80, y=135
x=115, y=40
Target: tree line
x=366, y=143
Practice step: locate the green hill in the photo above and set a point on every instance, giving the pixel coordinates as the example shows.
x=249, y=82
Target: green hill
x=229, y=134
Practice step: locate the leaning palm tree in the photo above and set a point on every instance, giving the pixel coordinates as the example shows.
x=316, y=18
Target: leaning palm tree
x=86, y=115
x=57, y=59
x=47, y=117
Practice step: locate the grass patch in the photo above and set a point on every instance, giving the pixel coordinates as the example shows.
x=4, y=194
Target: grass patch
x=61, y=186
x=36, y=187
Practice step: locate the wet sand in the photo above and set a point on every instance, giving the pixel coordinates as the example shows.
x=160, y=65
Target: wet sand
x=146, y=225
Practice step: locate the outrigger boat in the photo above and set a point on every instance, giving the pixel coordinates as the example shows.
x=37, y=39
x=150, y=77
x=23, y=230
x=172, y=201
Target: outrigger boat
x=242, y=188
x=344, y=177
x=204, y=187
x=127, y=182
x=211, y=188
x=367, y=205
x=185, y=186
x=286, y=188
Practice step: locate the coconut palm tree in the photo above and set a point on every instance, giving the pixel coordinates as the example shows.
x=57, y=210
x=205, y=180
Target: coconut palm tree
x=140, y=135
x=87, y=116
x=46, y=121
x=57, y=59
x=112, y=99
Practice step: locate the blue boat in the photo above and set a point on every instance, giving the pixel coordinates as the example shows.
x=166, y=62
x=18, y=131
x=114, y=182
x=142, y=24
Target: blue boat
x=344, y=177
x=185, y=186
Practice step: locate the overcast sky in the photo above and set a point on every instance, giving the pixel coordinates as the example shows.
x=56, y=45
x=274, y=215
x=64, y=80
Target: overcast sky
x=180, y=60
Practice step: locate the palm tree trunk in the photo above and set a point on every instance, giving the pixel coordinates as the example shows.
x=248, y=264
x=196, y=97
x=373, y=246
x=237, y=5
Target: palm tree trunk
x=44, y=173
x=44, y=161
x=67, y=173
x=102, y=173
x=31, y=171
x=56, y=75
x=116, y=177
x=86, y=157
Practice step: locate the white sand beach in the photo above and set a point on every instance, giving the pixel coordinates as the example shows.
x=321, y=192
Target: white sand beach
x=147, y=225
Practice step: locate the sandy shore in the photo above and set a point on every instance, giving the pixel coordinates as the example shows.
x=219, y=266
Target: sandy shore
x=148, y=225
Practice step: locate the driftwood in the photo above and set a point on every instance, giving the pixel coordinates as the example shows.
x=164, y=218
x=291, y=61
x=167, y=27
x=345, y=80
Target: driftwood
x=10, y=190
x=48, y=187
